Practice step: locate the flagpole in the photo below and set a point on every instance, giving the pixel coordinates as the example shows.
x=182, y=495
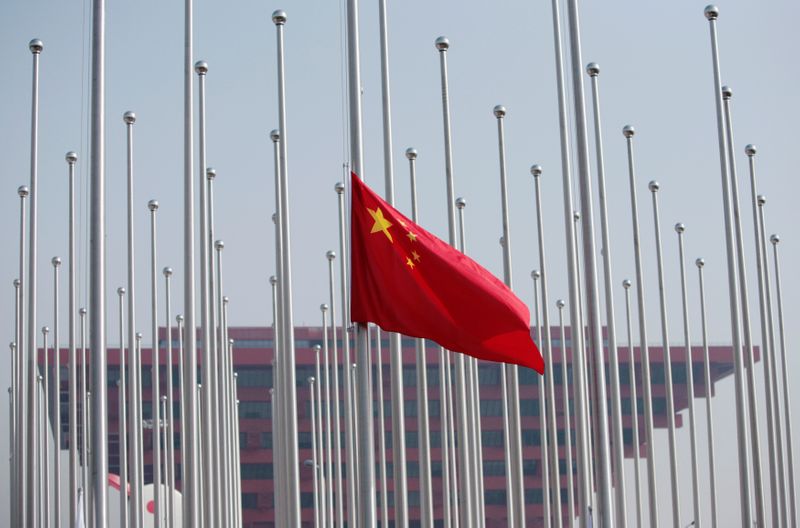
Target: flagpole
x=227, y=406
x=56, y=262
x=237, y=461
x=775, y=240
x=25, y=406
x=170, y=431
x=152, y=205
x=293, y=484
x=423, y=415
x=775, y=442
x=71, y=158
x=560, y=304
x=384, y=493
x=85, y=462
x=317, y=513
x=163, y=434
x=680, y=229
x=745, y=309
x=319, y=458
x=41, y=520
x=328, y=431
x=31, y=468
x=45, y=467
x=181, y=389
x=712, y=13
x=549, y=512
x=700, y=263
x=626, y=284
x=450, y=444
x=219, y=366
x=644, y=353
x=16, y=396
x=124, y=513
x=12, y=426
x=337, y=427
x=536, y=171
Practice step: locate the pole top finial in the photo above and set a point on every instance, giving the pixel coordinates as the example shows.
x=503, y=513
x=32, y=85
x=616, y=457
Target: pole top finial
x=13, y=346
x=593, y=69
x=750, y=150
x=179, y=318
x=560, y=304
x=330, y=254
x=17, y=283
x=536, y=170
x=323, y=307
x=120, y=291
x=442, y=43
x=139, y=336
x=680, y=227
x=56, y=261
x=711, y=12
x=576, y=216
x=654, y=186
x=225, y=299
x=700, y=262
x=626, y=283
x=536, y=274
x=82, y=311
x=23, y=191
x=499, y=111
x=201, y=67
x=339, y=187
x=129, y=117
x=628, y=131
x=211, y=173
x=167, y=271
x=153, y=205
x=36, y=46
x=273, y=280
x=775, y=239
x=761, y=199
x=411, y=153
x=727, y=92
x=310, y=380
x=71, y=157
x=219, y=245
x=279, y=17
x=275, y=135
x=45, y=330
x=461, y=203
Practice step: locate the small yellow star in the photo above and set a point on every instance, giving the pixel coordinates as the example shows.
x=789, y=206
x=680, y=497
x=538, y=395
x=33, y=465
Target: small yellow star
x=411, y=236
x=415, y=255
x=409, y=263
x=381, y=223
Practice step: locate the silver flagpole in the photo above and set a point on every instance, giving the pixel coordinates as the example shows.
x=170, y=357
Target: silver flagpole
x=680, y=229
x=85, y=463
x=15, y=393
x=238, y=461
x=227, y=403
x=593, y=69
x=72, y=158
x=787, y=412
x=25, y=403
x=210, y=502
x=644, y=353
x=44, y=426
x=163, y=434
x=544, y=436
x=191, y=457
x=170, y=431
x=200, y=442
x=41, y=514
x=313, y=461
x=662, y=295
x=567, y=432
x=12, y=432
x=152, y=205
x=626, y=284
x=293, y=483
x=56, y=262
x=590, y=268
x=328, y=444
x=31, y=469
x=135, y=417
x=217, y=365
x=319, y=457
x=124, y=513
x=423, y=414
x=712, y=13
x=749, y=359
x=181, y=388
x=381, y=429
x=337, y=427
x=349, y=412
x=775, y=442
x=549, y=382
x=514, y=452
x=700, y=263
x=451, y=438
x=582, y=447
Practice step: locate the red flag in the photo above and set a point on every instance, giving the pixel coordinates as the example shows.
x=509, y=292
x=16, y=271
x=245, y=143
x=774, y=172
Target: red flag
x=406, y=280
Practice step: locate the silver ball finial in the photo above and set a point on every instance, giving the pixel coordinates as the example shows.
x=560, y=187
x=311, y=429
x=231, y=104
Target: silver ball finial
x=560, y=304
x=167, y=271
x=275, y=135
x=750, y=150
x=727, y=93
x=576, y=216
x=211, y=173
x=536, y=170
x=179, y=319
x=23, y=191
x=628, y=131
x=711, y=12
x=330, y=254
x=225, y=299
x=323, y=307
x=71, y=157
x=680, y=228
x=700, y=262
x=310, y=380
x=593, y=69
x=654, y=186
x=502, y=241
x=45, y=330
x=536, y=274
x=120, y=291
x=219, y=245
x=55, y=261
x=339, y=187
x=153, y=205
x=775, y=239
x=442, y=44
x=17, y=283
x=36, y=46
x=499, y=111
x=274, y=218
x=273, y=280
x=201, y=67
x=461, y=203
x=279, y=17
x=411, y=153
x=13, y=346
x=761, y=199
x=82, y=311
x=626, y=283
x=139, y=336
x=129, y=117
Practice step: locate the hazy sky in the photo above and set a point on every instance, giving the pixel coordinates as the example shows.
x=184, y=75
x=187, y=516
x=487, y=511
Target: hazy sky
x=656, y=75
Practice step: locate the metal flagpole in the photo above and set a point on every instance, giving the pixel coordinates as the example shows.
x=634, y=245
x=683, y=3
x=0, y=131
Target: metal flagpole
x=680, y=229
x=135, y=415
x=152, y=205
x=745, y=308
x=170, y=430
x=41, y=513
x=72, y=158
x=85, y=463
x=165, y=516
x=45, y=420
x=56, y=262
x=712, y=13
x=590, y=267
x=181, y=388
x=700, y=263
x=218, y=365
x=775, y=240
x=313, y=461
x=124, y=513
x=293, y=481
x=777, y=475
x=31, y=469
x=15, y=394
x=319, y=457
x=12, y=431
x=226, y=348
x=593, y=69
x=644, y=353
x=662, y=295
x=423, y=415
x=238, y=461
x=349, y=412
x=337, y=427
x=384, y=515
x=451, y=437
x=626, y=284
x=514, y=450
x=218, y=346
x=565, y=402
x=24, y=402
x=328, y=445
x=549, y=382
x=549, y=498
x=201, y=471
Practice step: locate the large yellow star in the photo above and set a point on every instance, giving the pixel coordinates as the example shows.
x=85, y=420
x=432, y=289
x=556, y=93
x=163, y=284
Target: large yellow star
x=411, y=236
x=381, y=223
x=409, y=263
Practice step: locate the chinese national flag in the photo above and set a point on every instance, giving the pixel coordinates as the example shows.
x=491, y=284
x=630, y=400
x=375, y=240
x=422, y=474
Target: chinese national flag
x=406, y=280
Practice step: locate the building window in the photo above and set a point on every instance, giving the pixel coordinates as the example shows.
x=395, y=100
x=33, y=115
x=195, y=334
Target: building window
x=254, y=376
x=249, y=501
x=492, y=438
x=266, y=440
x=256, y=471
x=255, y=410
